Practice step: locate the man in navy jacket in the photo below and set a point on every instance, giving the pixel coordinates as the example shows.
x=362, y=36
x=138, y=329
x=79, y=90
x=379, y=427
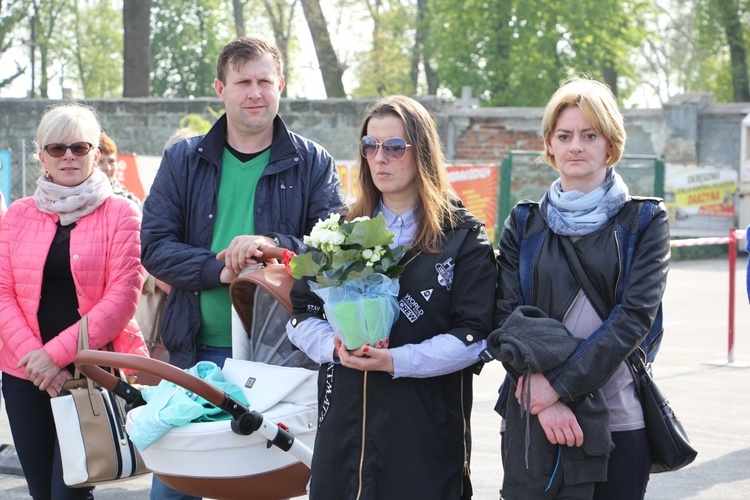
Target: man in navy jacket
x=219, y=200
x=248, y=173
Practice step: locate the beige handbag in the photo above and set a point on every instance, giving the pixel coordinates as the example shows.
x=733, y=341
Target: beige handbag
x=90, y=423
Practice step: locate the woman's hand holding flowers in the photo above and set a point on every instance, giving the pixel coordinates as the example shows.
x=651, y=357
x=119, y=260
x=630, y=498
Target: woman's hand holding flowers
x=367, y=357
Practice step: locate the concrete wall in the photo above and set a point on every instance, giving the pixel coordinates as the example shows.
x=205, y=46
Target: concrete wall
x=689, y=129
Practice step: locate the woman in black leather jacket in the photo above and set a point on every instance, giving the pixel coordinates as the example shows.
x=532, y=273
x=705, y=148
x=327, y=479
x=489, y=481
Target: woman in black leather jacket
x=589, y=206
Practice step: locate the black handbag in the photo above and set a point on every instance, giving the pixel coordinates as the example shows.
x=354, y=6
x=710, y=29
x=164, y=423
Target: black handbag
x=667, y=439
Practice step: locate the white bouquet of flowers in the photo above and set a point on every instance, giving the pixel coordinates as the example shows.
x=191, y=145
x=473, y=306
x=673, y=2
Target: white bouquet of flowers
x=356, y=274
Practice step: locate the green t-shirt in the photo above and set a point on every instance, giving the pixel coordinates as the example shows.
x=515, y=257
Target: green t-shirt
x=235, y=215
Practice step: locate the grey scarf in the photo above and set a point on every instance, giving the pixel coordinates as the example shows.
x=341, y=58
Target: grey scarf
x=577, y=214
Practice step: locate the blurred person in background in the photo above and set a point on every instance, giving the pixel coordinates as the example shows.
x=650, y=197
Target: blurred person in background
x=153, y=296
x=109, y=165
x=155, y=293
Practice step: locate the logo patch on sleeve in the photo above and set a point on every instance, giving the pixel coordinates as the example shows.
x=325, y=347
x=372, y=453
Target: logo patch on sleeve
x=426, y=294
x=445, y=273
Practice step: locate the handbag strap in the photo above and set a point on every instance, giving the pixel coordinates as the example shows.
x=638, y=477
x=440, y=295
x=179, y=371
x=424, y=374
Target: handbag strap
x=588, y=288
x=635, y=361
x=83, y=344
x=83, y=339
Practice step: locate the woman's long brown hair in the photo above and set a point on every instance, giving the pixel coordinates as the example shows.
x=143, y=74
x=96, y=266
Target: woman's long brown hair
x=435, y=206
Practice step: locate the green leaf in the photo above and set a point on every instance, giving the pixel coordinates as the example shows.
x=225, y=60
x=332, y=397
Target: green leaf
x=360, y=274
x=370, y=233
x=394, y=272
x=344, y=257
x=325, y=282
x=307, y=264
x=399, y=252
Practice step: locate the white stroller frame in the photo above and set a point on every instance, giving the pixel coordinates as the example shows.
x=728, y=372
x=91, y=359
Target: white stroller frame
x=286, y=477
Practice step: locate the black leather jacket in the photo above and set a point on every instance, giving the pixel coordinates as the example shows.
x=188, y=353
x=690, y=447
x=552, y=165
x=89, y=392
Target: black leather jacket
x=633, y=297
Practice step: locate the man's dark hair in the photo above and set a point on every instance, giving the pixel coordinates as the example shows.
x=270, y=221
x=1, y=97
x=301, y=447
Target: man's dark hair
x=244, y=49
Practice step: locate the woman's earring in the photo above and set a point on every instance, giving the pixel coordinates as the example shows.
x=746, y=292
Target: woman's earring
x=46, y=173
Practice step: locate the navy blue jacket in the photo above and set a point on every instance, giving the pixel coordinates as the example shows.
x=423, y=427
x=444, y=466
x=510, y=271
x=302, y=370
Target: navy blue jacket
x=299, y=185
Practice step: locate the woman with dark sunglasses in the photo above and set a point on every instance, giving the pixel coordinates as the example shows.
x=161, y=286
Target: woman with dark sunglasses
x=70, y=250
x=394, y=419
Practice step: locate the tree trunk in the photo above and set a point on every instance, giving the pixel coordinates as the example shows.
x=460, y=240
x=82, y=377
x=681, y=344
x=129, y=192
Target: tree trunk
x=280, y=14
x=419, y=37
x=610, y=76
x=238, y=7
x=136, y=19
x=44, y=80
x=730, y=20
x=329, y=65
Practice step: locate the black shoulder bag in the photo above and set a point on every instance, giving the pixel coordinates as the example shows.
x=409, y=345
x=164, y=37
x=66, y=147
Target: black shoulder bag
x=667, y=440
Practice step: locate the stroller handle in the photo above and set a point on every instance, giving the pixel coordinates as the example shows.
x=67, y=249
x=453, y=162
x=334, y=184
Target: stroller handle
x=244, y=421
x=88, y=362
x=273, y=253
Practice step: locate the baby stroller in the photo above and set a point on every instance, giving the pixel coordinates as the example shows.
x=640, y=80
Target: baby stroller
x=264, y=451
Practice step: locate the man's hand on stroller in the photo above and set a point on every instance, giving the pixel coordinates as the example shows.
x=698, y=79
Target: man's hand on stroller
x=244, y=250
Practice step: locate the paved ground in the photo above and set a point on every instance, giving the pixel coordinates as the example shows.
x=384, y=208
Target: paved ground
x=711, y=397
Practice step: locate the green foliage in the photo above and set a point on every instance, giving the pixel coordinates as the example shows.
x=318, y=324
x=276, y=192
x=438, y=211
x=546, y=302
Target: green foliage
x=187, y=36
x=384, y=70
x=516, y=53
x=12, y=14
x=54, y=38
x=711, y=59
x=699, y=252
x=98, y=51
x=196, y=123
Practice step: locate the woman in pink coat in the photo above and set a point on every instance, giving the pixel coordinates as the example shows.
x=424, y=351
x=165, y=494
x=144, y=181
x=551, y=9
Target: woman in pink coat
x=72, y=249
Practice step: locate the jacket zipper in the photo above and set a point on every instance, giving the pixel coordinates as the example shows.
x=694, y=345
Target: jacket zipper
x=364, y=421
x=467, y=470
x=567, y=311
x=619, y=265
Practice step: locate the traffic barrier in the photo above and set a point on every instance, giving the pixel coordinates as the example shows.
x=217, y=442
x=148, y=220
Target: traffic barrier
x=735, y=235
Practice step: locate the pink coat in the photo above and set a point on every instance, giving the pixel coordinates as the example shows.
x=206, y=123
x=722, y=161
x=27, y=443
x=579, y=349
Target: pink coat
x=105, y=262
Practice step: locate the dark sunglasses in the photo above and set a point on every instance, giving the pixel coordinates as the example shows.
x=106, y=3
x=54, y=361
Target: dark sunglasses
x=393, y=148
x=56, y=149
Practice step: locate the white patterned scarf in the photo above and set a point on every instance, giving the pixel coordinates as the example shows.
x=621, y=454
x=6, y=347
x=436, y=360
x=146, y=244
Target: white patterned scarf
x=574, y=213
x=72, y=203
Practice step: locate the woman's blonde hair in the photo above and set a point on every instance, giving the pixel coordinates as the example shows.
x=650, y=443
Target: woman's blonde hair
x=66, y=123
x=436, y=196
x=599, y=107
